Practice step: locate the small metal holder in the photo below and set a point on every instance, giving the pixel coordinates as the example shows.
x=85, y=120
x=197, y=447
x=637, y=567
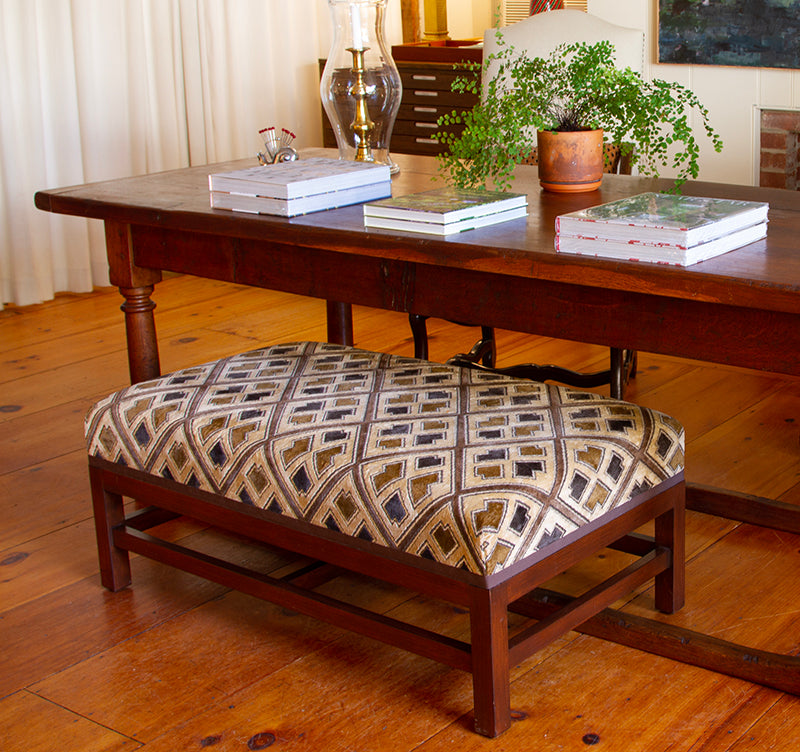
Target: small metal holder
x=277, y=148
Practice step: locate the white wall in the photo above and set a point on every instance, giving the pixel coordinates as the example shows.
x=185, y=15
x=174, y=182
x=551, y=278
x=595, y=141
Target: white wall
x=467, y=19
x=731, y=94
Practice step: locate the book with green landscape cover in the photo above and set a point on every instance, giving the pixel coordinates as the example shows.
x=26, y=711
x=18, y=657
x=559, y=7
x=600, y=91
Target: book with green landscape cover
x=449, y=228
x=682, y=221
x=662, y=228
x=443, y=206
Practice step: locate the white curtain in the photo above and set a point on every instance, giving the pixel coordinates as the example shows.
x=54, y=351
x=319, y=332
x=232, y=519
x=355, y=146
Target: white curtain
x=99, y=89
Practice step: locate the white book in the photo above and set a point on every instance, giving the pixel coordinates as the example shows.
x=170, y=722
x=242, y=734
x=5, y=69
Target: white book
x=445, y=205
x=438, y=228
x=293, y=207
x=659, y=253
x=303, y=177
x=663, y=218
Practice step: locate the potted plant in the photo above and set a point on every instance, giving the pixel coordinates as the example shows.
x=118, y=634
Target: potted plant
x=577, y=88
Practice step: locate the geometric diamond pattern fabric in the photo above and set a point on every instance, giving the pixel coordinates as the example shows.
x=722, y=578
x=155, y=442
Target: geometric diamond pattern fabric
x=470, y=469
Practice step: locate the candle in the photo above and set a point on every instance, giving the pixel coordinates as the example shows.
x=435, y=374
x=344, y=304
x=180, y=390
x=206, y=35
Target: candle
x=355, y=22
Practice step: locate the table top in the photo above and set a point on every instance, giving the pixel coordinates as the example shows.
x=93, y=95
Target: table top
x=764, y=274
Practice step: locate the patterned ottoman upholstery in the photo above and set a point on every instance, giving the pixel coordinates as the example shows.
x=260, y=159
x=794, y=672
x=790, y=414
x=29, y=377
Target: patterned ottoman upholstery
x=479, y=475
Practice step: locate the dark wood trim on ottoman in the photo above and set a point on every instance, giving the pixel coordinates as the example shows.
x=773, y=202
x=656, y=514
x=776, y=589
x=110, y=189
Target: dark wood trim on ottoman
x=489, y=598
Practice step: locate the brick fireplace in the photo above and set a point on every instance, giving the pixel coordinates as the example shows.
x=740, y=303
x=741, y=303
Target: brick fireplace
x=780, y=141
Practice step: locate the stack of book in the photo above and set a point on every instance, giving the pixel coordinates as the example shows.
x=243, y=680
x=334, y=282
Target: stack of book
x=305, y=185
x=662, y=228
x=444, y=211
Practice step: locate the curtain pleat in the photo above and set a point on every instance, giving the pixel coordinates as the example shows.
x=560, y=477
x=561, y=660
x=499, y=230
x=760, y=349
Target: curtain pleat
x=97, y=89
x=40, y=146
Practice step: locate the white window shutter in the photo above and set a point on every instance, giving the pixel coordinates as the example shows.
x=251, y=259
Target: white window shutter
x=515, y=10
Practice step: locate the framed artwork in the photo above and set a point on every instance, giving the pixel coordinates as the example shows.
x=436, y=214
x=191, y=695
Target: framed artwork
x=758, y=33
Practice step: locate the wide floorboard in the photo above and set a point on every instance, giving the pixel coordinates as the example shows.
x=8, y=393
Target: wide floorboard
x=175, y=663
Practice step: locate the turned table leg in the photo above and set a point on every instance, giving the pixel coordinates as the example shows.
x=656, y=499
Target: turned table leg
x=140, y=328
x=136, y=284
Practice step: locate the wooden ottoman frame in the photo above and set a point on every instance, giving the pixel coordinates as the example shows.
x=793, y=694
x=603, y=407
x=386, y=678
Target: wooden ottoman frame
x=491, y=651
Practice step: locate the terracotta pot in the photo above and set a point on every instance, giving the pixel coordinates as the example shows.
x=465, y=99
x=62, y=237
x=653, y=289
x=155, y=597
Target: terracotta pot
x=570, y=161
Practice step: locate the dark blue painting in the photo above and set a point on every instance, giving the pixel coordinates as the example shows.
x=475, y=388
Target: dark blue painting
x=760, y=33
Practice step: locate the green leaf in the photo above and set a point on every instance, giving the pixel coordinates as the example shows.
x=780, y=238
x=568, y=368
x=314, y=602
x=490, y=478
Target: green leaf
x=578, y=86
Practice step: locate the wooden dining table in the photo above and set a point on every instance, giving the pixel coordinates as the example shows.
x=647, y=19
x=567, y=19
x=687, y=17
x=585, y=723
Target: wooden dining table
x=741, y=308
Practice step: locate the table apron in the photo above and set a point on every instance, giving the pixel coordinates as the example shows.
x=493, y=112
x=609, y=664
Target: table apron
x=714, y=332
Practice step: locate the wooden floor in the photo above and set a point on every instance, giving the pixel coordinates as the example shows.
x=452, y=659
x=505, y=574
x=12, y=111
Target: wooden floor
x=174, y=663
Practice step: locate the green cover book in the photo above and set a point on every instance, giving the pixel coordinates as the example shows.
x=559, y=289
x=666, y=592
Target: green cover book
x=682, y=221
x=444, y=206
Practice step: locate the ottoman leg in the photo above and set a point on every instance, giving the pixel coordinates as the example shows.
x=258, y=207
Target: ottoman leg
x=670, y=585
x=115, y=567
x=490, y=669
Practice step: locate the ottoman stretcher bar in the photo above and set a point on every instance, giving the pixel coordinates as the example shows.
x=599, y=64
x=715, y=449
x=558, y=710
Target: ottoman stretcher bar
x=469, y=487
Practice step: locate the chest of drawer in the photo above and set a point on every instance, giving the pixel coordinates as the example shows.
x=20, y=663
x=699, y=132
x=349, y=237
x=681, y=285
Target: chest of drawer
x=427, y=95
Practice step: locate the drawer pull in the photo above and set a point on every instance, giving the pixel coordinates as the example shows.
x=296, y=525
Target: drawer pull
x=426, y=140
x=431, y=110
x=427, y=125
x=426, y=93
x=420, y=77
